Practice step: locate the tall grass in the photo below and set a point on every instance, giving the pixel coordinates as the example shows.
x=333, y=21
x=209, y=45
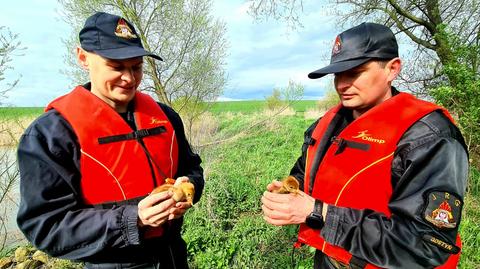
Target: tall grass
x=226, y=229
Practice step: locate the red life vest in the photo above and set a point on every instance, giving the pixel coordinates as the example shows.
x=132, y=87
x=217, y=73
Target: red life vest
x=119, y=170
x=371, y=141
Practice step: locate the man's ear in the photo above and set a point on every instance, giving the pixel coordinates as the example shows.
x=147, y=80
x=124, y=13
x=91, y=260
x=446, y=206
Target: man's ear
x=394, y=66
x=82, y=56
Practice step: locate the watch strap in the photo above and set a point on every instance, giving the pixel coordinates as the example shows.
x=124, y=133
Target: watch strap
x=318, y=207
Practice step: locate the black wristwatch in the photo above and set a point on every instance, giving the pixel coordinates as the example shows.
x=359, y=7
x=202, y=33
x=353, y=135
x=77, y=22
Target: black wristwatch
x=315, y=219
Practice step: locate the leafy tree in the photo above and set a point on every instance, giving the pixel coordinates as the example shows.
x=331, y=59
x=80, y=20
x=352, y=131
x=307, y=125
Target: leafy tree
x=424, y=22
x=274, y=101
x=281, y=98
x=329, y=100
x=182, y=32
x=462, y=99
x=446, y=35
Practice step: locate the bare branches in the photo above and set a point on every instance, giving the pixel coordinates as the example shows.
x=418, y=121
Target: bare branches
x=191, y=42
x=288, y=11
x=9, y=47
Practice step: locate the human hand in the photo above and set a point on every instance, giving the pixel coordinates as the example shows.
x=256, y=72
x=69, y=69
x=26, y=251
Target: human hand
x=282, y=209
x=288, y=185
x=154, y=209
x=181, y=207
x=179, y=210
x=275, y=185
x=180, y=180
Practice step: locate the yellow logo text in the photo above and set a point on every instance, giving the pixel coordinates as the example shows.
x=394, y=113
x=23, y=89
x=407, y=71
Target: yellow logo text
x=364, y=135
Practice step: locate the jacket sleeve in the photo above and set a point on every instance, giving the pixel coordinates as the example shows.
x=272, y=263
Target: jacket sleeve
x=51, y=214
x=431, y=160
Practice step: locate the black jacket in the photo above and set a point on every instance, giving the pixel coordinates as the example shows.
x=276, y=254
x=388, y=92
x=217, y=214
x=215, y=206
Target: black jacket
x=53, y=217
x=431, y=158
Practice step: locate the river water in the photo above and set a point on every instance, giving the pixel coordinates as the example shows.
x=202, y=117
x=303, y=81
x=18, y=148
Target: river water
x=9, y=198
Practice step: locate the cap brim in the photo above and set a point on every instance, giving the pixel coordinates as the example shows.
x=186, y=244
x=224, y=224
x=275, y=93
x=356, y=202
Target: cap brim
x=125, y=53
x=337, y=68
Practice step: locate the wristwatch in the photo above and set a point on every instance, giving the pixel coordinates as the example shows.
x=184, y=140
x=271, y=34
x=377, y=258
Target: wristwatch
x=315, y=219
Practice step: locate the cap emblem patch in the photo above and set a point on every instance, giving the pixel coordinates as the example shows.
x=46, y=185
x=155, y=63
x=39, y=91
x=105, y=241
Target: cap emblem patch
x=337, y=46
x=443, y=209
x=123, y=30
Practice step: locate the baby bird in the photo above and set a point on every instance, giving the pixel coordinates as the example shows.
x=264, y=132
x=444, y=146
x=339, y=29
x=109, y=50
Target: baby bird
x=289, y=185
x=182, y=191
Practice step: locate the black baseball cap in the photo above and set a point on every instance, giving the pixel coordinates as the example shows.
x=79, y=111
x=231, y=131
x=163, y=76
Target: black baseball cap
x=112, y=37
x=357, y=46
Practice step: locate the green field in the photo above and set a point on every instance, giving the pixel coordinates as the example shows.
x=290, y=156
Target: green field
x=256, y=106
x=249, y=106
x=226, y=229
x=18, y=112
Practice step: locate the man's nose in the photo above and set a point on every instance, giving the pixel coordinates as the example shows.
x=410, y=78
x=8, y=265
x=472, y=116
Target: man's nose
x=128, y=75
x=342, y=81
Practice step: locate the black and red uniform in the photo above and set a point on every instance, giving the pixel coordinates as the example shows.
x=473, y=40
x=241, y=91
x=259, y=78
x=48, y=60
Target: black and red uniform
x=84, y=167
x=379, y=174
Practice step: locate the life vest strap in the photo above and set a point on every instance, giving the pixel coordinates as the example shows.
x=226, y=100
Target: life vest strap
x=357, y=263
x=133, y=135
x=344, y=143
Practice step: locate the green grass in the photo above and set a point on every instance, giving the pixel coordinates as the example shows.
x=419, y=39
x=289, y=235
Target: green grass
x=217, y=108
x=19, y=112
x=255, y=106
x=469, y=227
x=226, y=229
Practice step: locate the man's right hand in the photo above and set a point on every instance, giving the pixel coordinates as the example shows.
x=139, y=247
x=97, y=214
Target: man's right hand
x=154, y=209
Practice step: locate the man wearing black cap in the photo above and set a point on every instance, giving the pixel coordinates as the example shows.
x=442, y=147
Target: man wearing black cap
x=383, y=173
x=88, y=164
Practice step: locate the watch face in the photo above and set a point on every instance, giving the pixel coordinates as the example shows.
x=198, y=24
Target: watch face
x=314, y=221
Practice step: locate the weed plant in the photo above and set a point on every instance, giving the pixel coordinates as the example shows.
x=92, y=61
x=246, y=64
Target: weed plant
x=226, y=229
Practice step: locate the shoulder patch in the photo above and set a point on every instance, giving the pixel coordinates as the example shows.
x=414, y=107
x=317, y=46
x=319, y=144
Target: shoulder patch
x=443, y=209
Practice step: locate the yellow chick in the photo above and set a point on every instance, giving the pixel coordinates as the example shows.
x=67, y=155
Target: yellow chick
x=289, y=185
x=182, y=192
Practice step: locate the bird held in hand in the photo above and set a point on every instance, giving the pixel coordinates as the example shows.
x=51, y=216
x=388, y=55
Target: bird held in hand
x=182, y=191
x=289, y=185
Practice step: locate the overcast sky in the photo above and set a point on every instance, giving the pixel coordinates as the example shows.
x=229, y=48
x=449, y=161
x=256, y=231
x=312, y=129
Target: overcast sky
x=262, y=55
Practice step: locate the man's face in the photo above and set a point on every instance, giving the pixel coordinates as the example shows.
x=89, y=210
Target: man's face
x=366, y=86
x=114, y=81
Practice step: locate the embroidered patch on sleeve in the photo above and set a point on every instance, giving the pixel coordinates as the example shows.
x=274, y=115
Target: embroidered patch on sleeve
x=441, y=244
x=443, y=209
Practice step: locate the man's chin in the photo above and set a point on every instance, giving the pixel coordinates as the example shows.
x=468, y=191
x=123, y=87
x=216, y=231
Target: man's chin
x=349, y=104
x=124, y=98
